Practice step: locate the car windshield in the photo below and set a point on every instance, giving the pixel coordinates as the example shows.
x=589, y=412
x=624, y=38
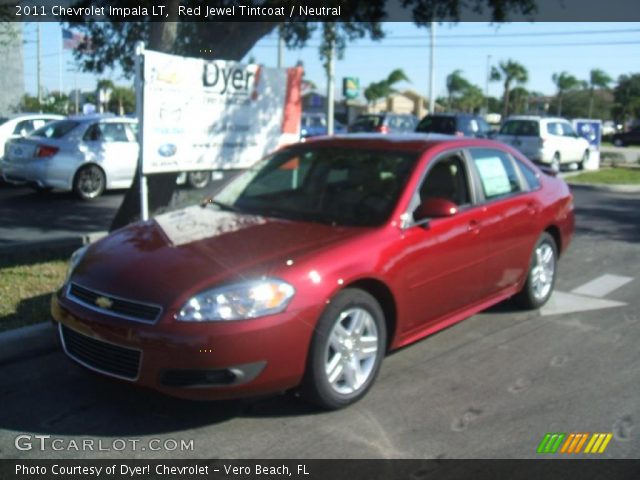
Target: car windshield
x=339, y=186
x=55, y=129
x=437, y=125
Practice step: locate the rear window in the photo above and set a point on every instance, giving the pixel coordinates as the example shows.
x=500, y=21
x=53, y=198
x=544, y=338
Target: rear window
x=437, y=125
x=523, y=128
x=368, y=121
x=56, y=129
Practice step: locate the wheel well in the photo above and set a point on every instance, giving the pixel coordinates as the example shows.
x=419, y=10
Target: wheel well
x=555, y=233
x=384, y=297
x=89, y=164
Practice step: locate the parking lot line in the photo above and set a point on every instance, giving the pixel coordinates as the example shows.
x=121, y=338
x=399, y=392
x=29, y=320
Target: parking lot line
x=602, y=286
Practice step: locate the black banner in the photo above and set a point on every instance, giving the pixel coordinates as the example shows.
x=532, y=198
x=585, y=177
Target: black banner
x=544, y=469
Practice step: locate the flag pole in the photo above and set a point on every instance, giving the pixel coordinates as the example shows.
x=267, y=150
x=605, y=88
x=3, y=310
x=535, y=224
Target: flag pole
x=144, y=193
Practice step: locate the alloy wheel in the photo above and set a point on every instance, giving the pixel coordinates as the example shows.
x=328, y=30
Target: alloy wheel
x=543, y=271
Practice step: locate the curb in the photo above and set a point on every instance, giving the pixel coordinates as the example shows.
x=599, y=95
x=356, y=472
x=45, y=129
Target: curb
x=606, y=188
x=53, y=244
x=27, y=342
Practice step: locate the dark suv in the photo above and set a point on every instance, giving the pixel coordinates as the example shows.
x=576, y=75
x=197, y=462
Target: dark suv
x=459, y=124
x=384, y=123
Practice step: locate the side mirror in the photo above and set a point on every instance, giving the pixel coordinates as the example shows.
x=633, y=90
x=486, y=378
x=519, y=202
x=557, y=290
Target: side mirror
x=435, y=207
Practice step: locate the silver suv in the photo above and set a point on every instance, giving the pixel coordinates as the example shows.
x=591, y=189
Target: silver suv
x=548, y=140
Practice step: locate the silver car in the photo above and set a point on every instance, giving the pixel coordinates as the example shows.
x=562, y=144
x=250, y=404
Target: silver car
x=85, y=154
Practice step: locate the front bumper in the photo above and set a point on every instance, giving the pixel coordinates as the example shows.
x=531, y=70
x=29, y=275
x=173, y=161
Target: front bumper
x=214, y=360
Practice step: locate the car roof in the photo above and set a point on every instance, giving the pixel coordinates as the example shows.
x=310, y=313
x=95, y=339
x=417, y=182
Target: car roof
x=101, y=117
x=536, y=118
x=27, y=116
x=416, y=142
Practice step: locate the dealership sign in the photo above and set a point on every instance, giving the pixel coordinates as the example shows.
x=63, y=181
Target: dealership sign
x=209, y=115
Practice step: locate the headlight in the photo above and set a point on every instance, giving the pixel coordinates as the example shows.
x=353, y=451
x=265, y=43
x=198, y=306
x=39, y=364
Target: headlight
x=239, y=301
x=74, y=261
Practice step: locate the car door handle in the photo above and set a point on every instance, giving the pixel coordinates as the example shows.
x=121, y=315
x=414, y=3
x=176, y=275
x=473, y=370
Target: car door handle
x=532, y=208
x=473, y=226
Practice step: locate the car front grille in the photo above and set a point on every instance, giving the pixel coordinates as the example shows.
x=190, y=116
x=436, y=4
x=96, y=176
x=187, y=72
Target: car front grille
x=103, y=357
x=116, y=306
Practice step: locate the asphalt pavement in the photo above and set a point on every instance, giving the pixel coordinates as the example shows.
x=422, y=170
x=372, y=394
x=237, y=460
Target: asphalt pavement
x=489, y=387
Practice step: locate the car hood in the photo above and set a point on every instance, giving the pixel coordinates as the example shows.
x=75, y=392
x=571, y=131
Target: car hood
x=192, y=249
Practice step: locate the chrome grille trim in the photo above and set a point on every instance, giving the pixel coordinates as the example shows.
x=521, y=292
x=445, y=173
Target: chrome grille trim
x=123, y=304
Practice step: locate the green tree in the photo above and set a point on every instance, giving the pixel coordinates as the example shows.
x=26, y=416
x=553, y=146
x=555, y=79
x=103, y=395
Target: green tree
x=112, y=42
x=627, y=97
x=456, y=86
x=520, y=100
x=510, y=72
x=597, y=79
x=384, y=88
x=122, y=101
x=564, y=82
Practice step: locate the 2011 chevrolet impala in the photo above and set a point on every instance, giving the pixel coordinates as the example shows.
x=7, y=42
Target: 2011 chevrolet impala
x=307, y=268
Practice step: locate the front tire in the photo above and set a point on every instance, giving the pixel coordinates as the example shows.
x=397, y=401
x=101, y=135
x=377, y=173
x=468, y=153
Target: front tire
x=542, y=274
x=89, y=182
x=346, y=350
x=198, y=180
x=585, y=159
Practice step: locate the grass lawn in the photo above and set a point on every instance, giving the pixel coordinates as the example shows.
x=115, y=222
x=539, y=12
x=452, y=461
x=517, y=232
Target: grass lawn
x=623, y=176
x=26, y=285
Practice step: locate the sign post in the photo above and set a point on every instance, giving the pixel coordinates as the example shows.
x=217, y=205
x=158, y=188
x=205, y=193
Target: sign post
x=139, y=65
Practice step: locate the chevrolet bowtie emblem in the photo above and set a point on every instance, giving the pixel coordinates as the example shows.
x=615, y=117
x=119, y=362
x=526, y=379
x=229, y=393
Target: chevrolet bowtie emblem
x=104, y=302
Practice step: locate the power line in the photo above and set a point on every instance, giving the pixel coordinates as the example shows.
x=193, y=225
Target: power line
x=476, y=45
x=522, y=34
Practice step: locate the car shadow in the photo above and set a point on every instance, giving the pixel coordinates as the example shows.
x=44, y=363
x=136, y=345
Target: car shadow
x=57, y=397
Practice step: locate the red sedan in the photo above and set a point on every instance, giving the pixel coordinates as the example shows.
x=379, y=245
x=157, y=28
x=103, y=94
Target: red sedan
x=307, y=268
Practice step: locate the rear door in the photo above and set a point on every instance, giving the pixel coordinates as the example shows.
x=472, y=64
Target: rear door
x=511, y=208
x=112, y=145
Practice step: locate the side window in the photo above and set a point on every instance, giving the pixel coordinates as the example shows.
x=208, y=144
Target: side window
x=93, y=133
x=23, y=128
x=554, y=128
x=567, y=130
x=533, y=181
x=497, y=173
x=447, y=179
x=114, y=132
x=39, y=123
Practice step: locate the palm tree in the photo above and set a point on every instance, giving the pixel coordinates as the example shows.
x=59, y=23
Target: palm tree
x=384, y=88
x=509, y=72
x=564, y=81
x=456, y=85
x=597, y=79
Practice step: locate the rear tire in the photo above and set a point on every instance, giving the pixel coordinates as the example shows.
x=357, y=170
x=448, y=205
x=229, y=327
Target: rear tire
x=89, y=182
x=585, y=159
x=555, y=162
x=346, y=350
x=541, y=278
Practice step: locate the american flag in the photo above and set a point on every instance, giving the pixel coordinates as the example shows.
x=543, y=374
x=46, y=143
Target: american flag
x=72, y=40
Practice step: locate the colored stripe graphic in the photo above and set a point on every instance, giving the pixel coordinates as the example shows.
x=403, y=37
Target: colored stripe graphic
x=551, y=442
x=598, y=443
x=574, y=442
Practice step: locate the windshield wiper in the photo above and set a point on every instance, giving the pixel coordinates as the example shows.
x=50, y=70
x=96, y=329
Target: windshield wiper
x=220, y=205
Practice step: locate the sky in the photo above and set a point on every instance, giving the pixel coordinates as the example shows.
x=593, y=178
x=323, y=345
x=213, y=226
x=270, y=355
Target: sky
x=543, y=48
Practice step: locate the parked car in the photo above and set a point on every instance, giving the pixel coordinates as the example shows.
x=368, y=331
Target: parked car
x=630, y=137
x=547, y=140
x=315, y=125
x=384, y=123
x=23, y=124
x=83, y=154
x=608, y=128
x=305, y=270
x=459, y=124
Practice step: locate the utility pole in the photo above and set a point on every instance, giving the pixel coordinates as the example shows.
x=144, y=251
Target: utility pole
x=330, y=79
x=280, y=47
x=487, y=85
x=39, y=86
x=432, y=69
